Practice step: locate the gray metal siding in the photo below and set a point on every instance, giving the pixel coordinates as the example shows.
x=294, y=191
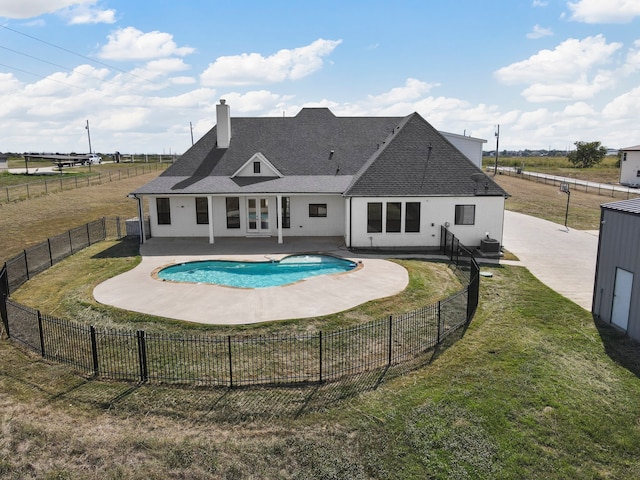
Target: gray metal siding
x=619, y=242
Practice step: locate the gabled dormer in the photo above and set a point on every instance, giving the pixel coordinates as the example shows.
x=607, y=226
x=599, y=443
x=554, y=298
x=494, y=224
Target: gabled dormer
x=257, y=166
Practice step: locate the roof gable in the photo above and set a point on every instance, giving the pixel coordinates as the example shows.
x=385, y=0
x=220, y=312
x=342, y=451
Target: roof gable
x=265, y=168
x=416, y=160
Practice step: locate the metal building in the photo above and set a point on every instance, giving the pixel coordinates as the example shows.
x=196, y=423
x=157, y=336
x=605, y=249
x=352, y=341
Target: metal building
x=616, y=294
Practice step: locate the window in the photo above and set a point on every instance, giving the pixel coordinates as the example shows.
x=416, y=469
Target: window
x=374, y=217
x=412, y=217
x=394, y=217
x=317, y=209
x=624, y=157
x=286, y=212
x=256, y=167
x=163, y=206
x=465, y=214
x=233, y=212
x=202, y=211
x=638, y=173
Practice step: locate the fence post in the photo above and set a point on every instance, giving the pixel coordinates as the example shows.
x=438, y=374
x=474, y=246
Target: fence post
x=390, y=339
x=26, y=263
x=439, y=318
x=230, y=362
x=41, y=333
x=142, y=355
x=94, y=350
x=4, y=294
x=118, y=231
x=320, y=341
x=88, y=234
x=70, y=242
x=50, y=254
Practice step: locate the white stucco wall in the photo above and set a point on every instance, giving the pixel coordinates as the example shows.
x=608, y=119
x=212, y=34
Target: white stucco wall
x=434, y=212
x=630, y=167
x=183, y=217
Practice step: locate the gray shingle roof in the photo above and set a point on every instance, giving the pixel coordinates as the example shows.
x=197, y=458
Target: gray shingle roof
x=371, y=156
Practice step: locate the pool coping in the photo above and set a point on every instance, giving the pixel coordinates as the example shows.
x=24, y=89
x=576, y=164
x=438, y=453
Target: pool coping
x=137, y=291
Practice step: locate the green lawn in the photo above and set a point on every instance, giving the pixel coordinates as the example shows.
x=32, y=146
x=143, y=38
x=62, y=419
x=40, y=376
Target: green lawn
x=534, y=389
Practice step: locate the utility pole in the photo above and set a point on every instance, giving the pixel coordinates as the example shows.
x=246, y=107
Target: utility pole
x=89, y=136
x=191, y=128
x=495, y=169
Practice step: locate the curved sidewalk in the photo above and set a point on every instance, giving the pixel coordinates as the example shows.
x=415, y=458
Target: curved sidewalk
x=564, y=260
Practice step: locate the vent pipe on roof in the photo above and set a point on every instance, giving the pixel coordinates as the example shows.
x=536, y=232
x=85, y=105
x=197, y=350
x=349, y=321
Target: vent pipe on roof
x=223, y=128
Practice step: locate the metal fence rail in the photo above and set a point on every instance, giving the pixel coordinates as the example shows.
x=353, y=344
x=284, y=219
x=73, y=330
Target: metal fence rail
x=614, y=191
x=227, y=360
x=58, y=183
x=46, y=254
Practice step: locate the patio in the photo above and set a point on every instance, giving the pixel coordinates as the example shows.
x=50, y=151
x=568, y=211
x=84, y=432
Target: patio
x=137, y=291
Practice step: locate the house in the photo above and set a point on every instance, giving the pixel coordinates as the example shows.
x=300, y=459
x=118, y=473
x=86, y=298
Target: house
x=378, y=182
x=616, y=295
x=630, y=166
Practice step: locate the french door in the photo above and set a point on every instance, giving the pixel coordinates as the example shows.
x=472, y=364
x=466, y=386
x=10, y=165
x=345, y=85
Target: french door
x=258, y=215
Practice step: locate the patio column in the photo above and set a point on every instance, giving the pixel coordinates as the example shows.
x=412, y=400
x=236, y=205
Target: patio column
x=210, y=212
x=279, y=213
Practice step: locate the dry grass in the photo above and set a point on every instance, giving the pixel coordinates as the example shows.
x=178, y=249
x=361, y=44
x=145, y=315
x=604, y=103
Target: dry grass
x=546, y=201
x=26, y=223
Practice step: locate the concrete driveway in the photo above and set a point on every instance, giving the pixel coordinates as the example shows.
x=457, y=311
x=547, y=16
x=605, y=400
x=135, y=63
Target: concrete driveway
x=564, y=260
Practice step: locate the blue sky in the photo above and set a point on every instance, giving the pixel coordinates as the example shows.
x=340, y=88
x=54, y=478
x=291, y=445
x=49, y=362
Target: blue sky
x=549, y=72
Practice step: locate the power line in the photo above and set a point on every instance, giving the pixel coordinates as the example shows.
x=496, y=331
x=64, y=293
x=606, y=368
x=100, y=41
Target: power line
x=84, y=57
x=51, y=63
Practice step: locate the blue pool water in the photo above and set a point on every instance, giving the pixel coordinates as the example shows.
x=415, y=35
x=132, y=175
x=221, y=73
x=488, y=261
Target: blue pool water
x=256, y=274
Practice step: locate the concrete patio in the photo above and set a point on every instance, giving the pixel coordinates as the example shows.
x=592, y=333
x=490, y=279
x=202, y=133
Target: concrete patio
x=138, y=291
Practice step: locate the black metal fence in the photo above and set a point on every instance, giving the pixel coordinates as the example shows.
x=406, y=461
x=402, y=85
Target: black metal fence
x=58, y=183
x=236, y=360
x=46, y=254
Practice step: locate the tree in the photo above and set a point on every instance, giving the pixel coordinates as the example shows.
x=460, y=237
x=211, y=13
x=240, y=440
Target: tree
x=587, y=154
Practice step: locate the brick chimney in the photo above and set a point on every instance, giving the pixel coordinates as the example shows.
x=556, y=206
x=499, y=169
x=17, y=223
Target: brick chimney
x=223, y=129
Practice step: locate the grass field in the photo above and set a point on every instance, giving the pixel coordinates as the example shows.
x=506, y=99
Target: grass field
x=534, y=389
x=606, y=172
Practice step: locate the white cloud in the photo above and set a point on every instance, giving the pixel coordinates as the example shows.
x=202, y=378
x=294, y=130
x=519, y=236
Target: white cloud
x=539, y=32
x=579, y=109
x=253, y=68
x=598, y=11
x=131, y=44
x=540, y=3
x=569, y=59
x=625, y=106
x=412, y=90
x=87, y=14
x=35, y=8
x=256, y=102
x=572, y=71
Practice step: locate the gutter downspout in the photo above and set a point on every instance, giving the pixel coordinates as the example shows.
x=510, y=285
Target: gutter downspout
x=279, y=214
x=350, y=221
x=140, y=217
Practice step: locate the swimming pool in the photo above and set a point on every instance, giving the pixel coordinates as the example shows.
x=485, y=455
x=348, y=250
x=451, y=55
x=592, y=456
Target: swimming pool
x=273, y=273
